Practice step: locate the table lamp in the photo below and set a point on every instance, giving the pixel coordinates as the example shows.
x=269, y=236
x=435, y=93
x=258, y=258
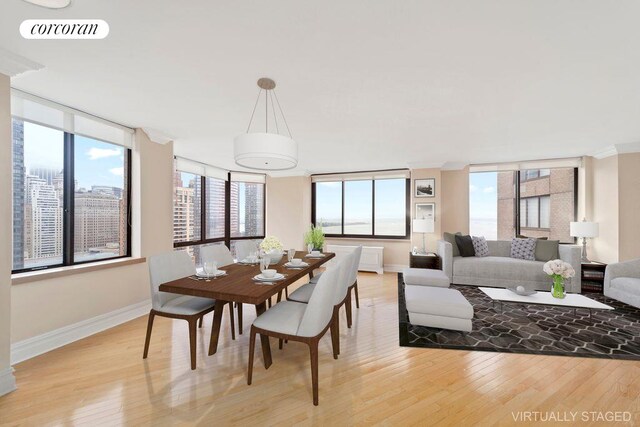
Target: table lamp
x=423, y=225
x=585, y=230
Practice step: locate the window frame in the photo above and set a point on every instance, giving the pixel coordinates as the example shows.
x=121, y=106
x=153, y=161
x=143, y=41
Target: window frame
x=373, y=234
x=68, y=208
x=226, y=239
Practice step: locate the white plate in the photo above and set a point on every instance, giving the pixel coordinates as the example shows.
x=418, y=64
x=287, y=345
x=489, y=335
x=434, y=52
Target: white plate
x=315, y=256
x=245, y=262
x=200, y=273
x=301, y=265
x=261, y=278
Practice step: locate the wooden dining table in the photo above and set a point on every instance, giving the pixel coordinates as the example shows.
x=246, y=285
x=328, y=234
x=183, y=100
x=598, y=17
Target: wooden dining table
x=239, y=286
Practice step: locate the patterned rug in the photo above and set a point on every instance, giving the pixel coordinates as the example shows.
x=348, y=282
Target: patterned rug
x=533, y=329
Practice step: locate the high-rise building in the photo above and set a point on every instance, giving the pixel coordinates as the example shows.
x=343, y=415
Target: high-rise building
x=45, y=225
x=253, y=212
x=183, y=211
x=48, y=174
x=18, y=193
x=96, y=222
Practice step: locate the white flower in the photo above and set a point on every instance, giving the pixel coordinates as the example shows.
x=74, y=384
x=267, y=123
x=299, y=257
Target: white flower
x=270, y=243
x=557, y=267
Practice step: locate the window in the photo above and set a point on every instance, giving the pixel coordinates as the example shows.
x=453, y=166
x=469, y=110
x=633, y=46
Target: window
x=348, y=206
x=70, y=198
x=215, y=210
x=532, y=202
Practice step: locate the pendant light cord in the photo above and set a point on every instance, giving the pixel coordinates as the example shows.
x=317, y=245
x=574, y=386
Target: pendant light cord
x=267, y=95
x=254, y=110
x=281, y=112
x=275, y=116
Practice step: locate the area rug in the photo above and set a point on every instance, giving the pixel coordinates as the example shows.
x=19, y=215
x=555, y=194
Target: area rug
x=533, y=329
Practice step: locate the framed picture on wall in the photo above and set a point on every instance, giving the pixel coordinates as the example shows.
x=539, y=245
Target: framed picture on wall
x=426, y=211
x=424, y=187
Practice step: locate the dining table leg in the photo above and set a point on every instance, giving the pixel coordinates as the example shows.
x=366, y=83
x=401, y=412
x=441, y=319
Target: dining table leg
x=264, y=339
x=215, y=328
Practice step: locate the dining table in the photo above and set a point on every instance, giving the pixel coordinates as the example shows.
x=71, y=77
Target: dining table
x=238, y=285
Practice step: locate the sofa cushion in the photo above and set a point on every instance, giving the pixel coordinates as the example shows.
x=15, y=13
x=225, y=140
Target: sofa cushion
x=437, y=301
x=451, y=238
x=425, y=277
x=626, y=284
x=480, y=246
x=465, y=245
x=492, y=267
x=523, y=248
x=546, y=250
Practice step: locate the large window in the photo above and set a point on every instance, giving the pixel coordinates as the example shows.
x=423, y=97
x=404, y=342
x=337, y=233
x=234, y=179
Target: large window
x=360, y=207
x=530, y=202
x=210, y=210
x=70, y=198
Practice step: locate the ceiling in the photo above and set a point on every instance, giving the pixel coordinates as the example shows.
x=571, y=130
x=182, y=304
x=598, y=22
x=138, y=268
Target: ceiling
x=364, y=84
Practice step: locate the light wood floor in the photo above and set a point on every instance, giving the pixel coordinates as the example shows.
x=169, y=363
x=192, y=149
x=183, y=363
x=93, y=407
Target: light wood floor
x=102, y=380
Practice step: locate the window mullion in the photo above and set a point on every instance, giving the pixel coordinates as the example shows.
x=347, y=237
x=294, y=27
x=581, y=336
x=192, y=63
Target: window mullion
x=68, y=200
x=373, y=208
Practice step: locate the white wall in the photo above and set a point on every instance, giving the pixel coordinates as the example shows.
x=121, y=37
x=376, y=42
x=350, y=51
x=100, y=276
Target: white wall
x=289, y=209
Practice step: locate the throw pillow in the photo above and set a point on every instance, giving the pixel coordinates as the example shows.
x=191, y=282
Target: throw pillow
x=465, y=245
x=546, y=250
x=523, y=248
x=480, y=246
x=451, y=238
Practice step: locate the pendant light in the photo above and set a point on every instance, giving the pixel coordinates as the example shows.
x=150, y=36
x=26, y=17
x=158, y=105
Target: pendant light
x=51, y=4
x=266, y=150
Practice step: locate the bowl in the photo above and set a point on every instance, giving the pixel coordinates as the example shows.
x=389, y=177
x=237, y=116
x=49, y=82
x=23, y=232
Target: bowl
x=296, y=261
x=315, y=253
x=269, y=273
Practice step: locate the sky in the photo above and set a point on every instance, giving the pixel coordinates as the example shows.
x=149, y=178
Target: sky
x=96, y=162
x=483, y=195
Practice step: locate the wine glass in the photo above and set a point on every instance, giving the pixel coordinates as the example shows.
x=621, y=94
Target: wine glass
x=210, y=268
x=291, y=254
x=264, y=263
x=310, y=247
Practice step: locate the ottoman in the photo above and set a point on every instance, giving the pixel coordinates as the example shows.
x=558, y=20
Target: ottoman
x=425, y=277
x=436, y=307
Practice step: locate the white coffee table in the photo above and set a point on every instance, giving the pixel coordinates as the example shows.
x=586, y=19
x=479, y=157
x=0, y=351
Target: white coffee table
x=574, y=301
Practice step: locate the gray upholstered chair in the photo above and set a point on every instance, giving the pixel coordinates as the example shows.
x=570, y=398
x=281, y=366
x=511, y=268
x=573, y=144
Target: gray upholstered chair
x=221, y=254
x=622, y=282
x=305, y=323
x=244, y=248
x=165, y=268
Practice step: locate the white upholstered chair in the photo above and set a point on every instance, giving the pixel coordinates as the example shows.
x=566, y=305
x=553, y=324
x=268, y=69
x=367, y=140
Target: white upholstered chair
x=165, y=268
x=244, y=248
x=305, y=323
x=221, y=254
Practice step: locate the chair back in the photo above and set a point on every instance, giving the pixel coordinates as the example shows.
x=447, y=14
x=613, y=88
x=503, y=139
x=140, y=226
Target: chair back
x=218, y=253
x=346, y=265
x=357, y=253
x=244, y=248
x=164, y=268
x=319, y=310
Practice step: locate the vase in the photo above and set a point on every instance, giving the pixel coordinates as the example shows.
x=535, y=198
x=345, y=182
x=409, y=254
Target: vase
x=275, y=256
x=557, y=290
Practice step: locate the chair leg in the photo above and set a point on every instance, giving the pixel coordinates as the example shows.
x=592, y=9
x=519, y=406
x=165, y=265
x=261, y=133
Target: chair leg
x=280, y=343
x=149, y=327
x=357, y=297
x=335, y=334
x=286, y=292
x=232, y=321
x=192, y=341
x=313, y=352
x=252, y=347
x=200, y=322
x=239, y=305
x=347, y=308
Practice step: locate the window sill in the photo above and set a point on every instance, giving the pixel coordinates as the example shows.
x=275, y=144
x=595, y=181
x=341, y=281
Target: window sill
x=374, y=239
x=51, y=273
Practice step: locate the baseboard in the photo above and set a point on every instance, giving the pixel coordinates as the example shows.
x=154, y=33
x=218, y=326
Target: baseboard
x=7, y=381
x=394, y=268
x=48, y=341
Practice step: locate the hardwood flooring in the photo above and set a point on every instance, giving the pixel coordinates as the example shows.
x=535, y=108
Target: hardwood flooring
x=102, y=380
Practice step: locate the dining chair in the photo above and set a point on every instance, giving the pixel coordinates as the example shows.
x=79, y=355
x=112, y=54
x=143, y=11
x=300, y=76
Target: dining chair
x=244, y=248
x=165, y=268
x=306, y=323
x=221, y=254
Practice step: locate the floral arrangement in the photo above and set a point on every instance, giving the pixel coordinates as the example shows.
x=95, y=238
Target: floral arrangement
x=557, y=267
x=315, y=237
x=270, y=243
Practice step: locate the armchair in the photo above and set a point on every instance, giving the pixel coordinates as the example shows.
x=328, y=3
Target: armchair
x=622, y=282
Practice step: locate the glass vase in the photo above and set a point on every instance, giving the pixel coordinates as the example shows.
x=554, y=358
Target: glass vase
x=557, y=290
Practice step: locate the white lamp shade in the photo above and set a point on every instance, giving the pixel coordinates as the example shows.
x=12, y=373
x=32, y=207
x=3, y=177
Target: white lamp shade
x=265, y=151
x=52, y=4
x=583, y=229
x=423, y=226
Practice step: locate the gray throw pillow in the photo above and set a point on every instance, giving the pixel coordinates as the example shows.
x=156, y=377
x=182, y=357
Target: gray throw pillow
x=546, y=250
x=523, y=249
x=451, y=238
x=480, y=246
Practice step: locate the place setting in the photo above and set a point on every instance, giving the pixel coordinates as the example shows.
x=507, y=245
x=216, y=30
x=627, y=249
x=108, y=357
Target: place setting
x=208, y=272
x=295, y=263
x=313, y=253
x=267, y=275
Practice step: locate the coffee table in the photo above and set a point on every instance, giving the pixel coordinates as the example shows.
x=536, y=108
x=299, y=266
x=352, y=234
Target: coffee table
x=574, y=301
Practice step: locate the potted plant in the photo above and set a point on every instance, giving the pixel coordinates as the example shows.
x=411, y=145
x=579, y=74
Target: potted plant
x=559, y=271
x=315, y=237
x=272, y=248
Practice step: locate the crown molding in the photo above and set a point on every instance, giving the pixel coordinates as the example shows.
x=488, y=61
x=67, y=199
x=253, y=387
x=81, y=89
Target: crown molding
x=631, y=147
x=454, y=166
x=613, y=150
x=605, y=152
x=424, y=165
x=157, y=136
x=288, y=173
x=12, y=64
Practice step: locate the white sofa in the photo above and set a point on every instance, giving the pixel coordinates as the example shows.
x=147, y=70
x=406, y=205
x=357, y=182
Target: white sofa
x=622, y=282
x=500, y=270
